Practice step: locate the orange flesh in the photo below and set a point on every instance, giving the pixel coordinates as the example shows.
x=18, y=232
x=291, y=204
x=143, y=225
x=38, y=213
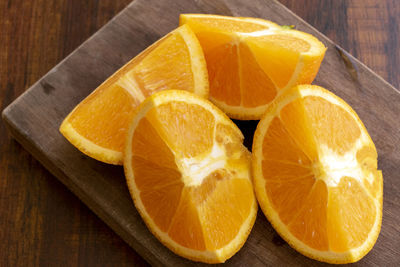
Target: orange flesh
x=334, y=218
x=235, y=196
x=190, y=214
x=342, y=206
x=180, y=132
x=246, y=73
x=223, y=73
x=186, y=228
x=104, y=115
x=333, y=125
x=243, y=70
x=154, y=73
x=252, y=76
x=275, y=58
x=157, y=175
x=309, y=223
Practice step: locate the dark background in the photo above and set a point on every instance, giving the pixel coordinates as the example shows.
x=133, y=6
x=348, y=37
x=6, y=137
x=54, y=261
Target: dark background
x=41, y=222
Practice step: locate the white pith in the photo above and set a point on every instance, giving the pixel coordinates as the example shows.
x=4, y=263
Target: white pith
x=336, y=166
x=194, y=170
x=128, y=82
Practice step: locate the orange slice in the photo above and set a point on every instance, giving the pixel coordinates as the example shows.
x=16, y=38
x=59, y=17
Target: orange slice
x=315, y=175
x=189, y=176
x=252, y=61
x=98, y=125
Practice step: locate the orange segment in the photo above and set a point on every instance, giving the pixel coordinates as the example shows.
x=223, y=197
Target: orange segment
x=332, y=125
x=98, y=125
x=298, y=128
x=288, y=196
x=235, y=197
x=351, y=215
x=186, y=229
x=158, y=178
x=279, y=145
x=279, y=171
x=281, y=57
x=146, y=138
x=252, y=61
x=309, y=224
x=252, y=76
x=167, y=198
x=179, y=131
x=188, y=173
x=114, y=107
x=154, y=73
x=223, y=71
x=315, y=175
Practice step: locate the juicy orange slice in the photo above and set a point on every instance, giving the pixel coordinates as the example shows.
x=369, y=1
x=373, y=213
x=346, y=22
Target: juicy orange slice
x=189, y=176
x=98, y=125
x=252, y=61
x=315, y=175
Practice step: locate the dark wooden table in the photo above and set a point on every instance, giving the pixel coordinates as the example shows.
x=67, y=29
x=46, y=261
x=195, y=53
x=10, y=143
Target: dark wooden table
x=41, y=222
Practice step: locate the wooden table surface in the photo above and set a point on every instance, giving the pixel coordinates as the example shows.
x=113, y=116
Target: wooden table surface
x=41, y=222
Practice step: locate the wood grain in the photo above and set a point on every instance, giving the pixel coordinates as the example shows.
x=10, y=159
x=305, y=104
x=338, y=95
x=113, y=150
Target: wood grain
x=43, y=224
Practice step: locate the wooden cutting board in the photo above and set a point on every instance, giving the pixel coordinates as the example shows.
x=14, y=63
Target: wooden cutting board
x=35, y=116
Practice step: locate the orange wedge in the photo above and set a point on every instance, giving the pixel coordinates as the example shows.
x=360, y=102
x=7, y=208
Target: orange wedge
x=315, y=175
x=252, y=61
x=98, y=125
x=189, y=176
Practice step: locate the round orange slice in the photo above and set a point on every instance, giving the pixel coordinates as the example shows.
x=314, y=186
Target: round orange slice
x=315, y=175
x=189, y=176
x=252, y=61
x=98, y=125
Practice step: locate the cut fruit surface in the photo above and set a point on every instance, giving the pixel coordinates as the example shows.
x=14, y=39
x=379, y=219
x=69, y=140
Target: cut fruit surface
x=189, y=176
x=315, y=175
x=252, y=61
x=98, y=125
